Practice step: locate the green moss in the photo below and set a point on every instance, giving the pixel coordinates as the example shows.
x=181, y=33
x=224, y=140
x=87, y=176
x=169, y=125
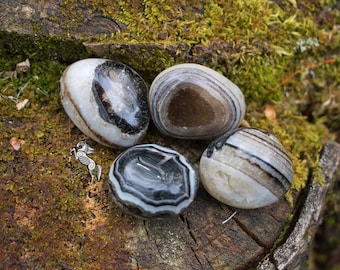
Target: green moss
x=263, y=58
x=284, y=231
x=263, y=35
x=46, y=216
x=302, y=140
x=16, y=47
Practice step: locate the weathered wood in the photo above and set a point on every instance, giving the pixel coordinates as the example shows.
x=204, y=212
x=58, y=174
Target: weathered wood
x=51, y=18
x=294, y=250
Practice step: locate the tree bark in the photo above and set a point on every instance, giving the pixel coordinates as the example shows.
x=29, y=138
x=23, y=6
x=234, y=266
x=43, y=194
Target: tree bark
x=198, y=239
x=294, y=251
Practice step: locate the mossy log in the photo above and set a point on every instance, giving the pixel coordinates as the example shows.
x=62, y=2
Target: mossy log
x=62, y=18
x=274, y=237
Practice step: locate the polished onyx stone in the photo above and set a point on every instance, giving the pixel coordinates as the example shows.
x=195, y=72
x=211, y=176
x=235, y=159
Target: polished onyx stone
x=106, y=100
x=246, y=168
x=191, y=101
x=152, y=181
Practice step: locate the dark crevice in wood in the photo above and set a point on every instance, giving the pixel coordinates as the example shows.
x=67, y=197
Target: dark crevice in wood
x=186, y=221
x=250, y=233
x=193, y=249
x=205, y=264
x=208, y=262
x=297, y=209
x=182, y=218
x=192, y=236
x=296, y=214
x=146, y=229
x=197, y=259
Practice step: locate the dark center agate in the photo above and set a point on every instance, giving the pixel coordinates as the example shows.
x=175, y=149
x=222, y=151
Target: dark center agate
x=152, y=181
x=191, y=101
x=120, y=93
x=188, y=107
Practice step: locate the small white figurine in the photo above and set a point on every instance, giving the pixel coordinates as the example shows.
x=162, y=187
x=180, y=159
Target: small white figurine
x=80, y=152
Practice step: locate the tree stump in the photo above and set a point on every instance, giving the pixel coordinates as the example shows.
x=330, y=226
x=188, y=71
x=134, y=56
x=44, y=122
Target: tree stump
x=274, y=237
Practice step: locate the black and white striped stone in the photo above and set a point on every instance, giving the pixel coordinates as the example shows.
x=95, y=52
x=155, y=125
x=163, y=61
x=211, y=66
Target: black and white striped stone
x=152, y=181
x=191, y=101
x=106, y=100
x=246, y=168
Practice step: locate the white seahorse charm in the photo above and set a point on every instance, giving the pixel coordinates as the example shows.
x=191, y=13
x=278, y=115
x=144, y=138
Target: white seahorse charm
x=81, y=151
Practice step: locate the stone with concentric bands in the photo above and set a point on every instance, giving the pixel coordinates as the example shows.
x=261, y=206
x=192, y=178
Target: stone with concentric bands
x=106, y=100
x=152, y=181
x=246, y=168
x=191, y=101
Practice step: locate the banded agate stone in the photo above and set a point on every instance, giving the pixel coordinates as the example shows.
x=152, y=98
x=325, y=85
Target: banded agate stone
x=191, y=101
x=246, y=168
x=152, y=181
x=106, y=100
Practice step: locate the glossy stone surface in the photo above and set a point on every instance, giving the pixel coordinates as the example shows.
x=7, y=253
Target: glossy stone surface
x=106, y=100
x=246, y=168
x=191, y=101
x=152, y=181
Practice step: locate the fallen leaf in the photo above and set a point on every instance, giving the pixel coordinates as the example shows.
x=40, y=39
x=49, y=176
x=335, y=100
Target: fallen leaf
x=245, y=123
x=270, y=112
x=15, y=142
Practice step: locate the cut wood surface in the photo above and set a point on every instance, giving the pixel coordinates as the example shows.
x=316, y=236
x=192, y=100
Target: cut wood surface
x=198, y=239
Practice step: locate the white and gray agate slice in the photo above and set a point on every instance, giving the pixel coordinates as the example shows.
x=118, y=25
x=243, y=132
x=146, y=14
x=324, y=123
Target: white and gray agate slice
x=106, y=100
x=246, y=168
x=152, y=181
x=191, y=101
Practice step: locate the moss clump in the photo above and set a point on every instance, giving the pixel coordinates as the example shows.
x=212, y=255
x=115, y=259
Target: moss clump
x=16, y=47
x=262, y=35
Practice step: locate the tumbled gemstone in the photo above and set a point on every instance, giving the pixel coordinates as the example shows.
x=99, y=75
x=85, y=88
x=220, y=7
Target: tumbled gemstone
x=106, y=100
x=191, y=101
x=152, y=181
x=246, y=168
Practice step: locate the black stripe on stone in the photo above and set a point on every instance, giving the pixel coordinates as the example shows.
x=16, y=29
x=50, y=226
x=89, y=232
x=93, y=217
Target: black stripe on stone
x=269, y=142
x=97, y=135
x=278, y=177
x=151, y=197
x=218, y=143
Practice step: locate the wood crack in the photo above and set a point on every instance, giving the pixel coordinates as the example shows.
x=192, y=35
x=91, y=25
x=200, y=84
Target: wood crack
x=250, y=233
